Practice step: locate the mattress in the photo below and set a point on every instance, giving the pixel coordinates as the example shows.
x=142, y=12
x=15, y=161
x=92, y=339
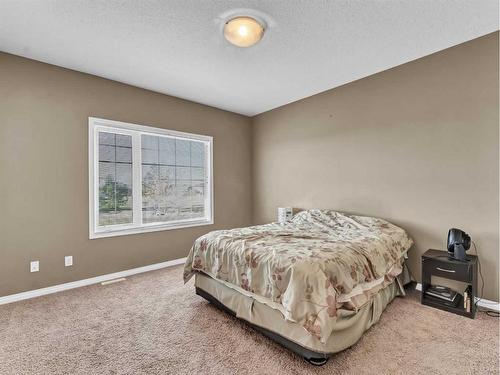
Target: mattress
x=348, y=329
x=312, y=271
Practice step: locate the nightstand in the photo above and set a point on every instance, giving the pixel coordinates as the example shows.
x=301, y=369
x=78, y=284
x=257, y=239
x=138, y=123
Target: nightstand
x=439, y=263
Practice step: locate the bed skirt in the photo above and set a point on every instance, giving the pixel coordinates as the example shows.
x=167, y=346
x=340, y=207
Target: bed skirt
x=348, y=330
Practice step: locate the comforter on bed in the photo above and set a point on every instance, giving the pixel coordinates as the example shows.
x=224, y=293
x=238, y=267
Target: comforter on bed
x=315, y=266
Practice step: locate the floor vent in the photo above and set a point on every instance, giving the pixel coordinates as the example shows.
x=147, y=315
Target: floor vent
x=113, y=281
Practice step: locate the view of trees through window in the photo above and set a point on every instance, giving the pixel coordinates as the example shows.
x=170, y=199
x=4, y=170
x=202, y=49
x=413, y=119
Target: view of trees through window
x=115, y=179
x=173, y=179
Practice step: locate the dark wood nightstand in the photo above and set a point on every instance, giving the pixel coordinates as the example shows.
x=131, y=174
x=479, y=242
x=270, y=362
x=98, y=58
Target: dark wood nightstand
x=439, y=263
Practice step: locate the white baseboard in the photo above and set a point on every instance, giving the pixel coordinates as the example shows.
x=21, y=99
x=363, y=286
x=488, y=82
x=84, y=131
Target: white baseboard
x=486, y=303
x=93, y=280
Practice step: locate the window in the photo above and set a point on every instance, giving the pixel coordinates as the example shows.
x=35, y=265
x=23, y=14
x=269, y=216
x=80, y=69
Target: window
x=145, y=179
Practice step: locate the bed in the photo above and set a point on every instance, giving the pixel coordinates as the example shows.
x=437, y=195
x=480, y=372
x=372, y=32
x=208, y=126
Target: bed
x=314, y=284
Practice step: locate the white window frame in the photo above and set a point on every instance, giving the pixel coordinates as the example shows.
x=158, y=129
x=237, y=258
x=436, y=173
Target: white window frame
x=135, y=131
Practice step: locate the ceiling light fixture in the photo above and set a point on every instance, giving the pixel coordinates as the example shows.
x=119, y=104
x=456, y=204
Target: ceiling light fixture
x=243, y=31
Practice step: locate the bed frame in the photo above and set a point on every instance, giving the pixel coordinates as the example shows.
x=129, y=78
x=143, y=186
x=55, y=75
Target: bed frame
x=314, y=358
x=350, y=329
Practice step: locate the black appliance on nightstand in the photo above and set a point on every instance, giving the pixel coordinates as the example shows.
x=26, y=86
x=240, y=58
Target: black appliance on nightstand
x=458, y=243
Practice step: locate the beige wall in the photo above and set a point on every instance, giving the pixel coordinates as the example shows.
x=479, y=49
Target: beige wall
x=44, y=112
x=417, y=145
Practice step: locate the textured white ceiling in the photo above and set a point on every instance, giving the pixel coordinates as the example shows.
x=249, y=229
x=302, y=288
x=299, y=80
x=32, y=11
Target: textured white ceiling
x=176, y=46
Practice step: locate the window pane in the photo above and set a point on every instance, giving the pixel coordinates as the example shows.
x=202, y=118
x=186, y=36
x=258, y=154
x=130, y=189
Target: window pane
x=123, y=140
x=149, y=156
x=124, y=154
x=198, y=199
x=149, y=142
x=197, y=154
x=106, y=139
x=167, y=173
x=124, y=174
x=172, y=188
x=149, y=172
x=167, y=151
x=182, y=152
x=106, y=153
x=183, y=173
x=197, y=173
x=115, y=179
x=106, y=171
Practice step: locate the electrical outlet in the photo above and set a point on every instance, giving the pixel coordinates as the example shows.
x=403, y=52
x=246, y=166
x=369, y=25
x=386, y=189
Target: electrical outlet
x=34, y=266
x=68, y=260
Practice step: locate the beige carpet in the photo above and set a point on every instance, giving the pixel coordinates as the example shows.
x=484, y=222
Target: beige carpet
x=153, y=324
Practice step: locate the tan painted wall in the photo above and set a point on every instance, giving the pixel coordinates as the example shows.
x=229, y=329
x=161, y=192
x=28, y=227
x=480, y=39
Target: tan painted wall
x=44, y=112
x=417, y=145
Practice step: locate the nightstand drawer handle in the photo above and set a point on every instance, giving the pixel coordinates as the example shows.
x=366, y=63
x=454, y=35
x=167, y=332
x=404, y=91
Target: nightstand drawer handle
x=445, y=270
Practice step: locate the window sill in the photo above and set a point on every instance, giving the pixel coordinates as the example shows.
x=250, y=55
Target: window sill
x=113, y=232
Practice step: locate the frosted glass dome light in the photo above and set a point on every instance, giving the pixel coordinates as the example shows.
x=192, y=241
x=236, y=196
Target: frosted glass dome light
x=243, y=31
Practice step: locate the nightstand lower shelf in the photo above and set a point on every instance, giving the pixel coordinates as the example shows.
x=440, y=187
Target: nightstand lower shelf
x=458, y=309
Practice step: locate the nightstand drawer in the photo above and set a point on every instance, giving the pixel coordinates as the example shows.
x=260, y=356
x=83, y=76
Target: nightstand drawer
x=454, y=271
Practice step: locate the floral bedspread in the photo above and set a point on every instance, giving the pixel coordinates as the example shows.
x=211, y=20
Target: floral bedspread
x=308, y=265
